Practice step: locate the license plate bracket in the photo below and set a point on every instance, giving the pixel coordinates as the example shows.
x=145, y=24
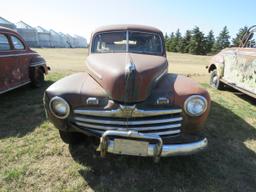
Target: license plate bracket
x=131, y=147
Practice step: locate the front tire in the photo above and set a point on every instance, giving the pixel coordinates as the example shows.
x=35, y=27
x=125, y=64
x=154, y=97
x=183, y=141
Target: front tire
x=37, y=77
x=71, y=137
x=215, y=81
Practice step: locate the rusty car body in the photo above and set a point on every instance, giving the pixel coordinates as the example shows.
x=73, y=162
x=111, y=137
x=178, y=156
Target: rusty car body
x=236, y=66
x=19, y=65
x=128, y=100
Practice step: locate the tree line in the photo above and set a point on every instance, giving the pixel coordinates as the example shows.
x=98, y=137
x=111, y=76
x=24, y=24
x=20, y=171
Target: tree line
x=196, y=42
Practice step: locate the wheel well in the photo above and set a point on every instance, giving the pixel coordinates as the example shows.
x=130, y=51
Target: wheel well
x=212, y=67
x=43, y=69
x=38, y=67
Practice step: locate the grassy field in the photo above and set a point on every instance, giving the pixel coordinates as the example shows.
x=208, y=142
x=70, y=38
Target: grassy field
x=33, y=158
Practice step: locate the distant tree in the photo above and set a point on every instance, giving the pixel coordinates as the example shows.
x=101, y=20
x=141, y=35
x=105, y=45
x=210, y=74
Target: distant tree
x=243, y=32
x=222, y=40
x=172, y=45
x=169, y=43
x=197, y=42
x=209, y=42
x=166, y=39
x=238, y=39
x=184, y=47
x=177, y=41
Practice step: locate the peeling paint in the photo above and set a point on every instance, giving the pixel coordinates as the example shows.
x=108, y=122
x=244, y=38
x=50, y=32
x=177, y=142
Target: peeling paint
x=240, y=70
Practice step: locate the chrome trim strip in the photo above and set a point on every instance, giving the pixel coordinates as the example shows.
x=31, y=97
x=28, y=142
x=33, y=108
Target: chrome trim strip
x=153, y=128
x=130, y=122
x=150, y=133
x=18, y=54
x=172, y=149
x=1, y=92
x=119, y=113
x=37, y=64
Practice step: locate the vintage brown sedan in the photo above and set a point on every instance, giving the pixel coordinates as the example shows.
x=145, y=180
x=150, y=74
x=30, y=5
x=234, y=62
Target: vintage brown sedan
x=128, y=100
x=19, y=65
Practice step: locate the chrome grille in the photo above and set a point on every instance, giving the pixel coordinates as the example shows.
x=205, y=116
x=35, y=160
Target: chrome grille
x=163, y=122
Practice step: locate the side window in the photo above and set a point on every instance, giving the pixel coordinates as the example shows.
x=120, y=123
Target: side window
x=17, y=43
x=4, y=43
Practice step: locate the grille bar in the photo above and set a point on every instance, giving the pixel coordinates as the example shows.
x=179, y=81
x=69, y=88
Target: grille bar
x=103, y=127
x=119, y=112
x=161, y=133
x=130, y=122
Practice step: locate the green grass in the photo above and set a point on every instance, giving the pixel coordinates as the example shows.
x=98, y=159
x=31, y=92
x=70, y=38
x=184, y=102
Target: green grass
x=33, y=158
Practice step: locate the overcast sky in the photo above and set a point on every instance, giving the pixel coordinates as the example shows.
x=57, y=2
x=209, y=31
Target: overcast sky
x=82, y=16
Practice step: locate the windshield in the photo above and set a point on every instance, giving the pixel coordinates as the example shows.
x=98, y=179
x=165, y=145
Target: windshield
x=134, y=42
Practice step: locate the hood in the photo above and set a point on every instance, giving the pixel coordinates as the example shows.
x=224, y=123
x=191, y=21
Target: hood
x=127, y=77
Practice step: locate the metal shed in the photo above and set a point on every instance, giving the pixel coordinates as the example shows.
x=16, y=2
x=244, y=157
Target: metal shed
x=81, y=41
x=70, y=41
x=6, y=23
x=56, y=39
x=44, y=37
x=75, y=41
x=64, y=39
x=28, y=33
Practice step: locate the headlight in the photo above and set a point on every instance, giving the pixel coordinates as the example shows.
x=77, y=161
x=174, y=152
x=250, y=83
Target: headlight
x=59, y=107
x=195, y=105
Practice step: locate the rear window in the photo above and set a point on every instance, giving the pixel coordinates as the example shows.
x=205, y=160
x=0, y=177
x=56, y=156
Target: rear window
x=17, y=43
x=4, y=43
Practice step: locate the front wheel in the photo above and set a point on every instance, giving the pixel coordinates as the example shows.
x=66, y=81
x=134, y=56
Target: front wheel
x=215, y=81
x=72, y=137
x=37, y=77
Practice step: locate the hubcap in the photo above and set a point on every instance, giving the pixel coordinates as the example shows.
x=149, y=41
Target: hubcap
x=214, y=81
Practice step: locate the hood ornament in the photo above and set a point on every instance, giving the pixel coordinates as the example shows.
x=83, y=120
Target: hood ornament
x=127, y=110
x=130, y=69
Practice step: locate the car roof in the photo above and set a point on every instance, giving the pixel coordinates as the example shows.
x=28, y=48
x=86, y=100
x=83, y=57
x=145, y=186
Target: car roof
x=127, y=27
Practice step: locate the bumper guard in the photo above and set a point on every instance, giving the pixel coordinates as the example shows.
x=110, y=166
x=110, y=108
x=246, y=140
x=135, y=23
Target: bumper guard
x=156, y=150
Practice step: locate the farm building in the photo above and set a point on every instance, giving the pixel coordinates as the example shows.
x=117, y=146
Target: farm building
x=81, y=41
x=71, y=42
x=40, y=37
x=64, y=40
x=6, y=23
x=44, y=37
x=75, y=41
x=28, y=33
x=56, y=39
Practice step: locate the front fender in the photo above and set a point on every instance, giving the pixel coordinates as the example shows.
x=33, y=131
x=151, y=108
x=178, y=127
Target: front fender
x=217, y=62
x=180, y=88
x=38, y=61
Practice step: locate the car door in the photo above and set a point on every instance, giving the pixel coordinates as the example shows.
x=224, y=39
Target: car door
x=7, y=62
x=20, y=73
x=230, y=66
x=247, y=68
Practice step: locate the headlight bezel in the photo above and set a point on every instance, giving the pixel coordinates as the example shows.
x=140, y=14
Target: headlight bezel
x=53, y=111
x=202, y=98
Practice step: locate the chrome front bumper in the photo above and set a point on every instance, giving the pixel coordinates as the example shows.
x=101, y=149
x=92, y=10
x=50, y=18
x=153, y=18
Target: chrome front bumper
x=154, y=150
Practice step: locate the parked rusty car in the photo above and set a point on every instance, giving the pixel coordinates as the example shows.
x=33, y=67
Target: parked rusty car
x=128, y=100
x=19, y=65
x=236, y=67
